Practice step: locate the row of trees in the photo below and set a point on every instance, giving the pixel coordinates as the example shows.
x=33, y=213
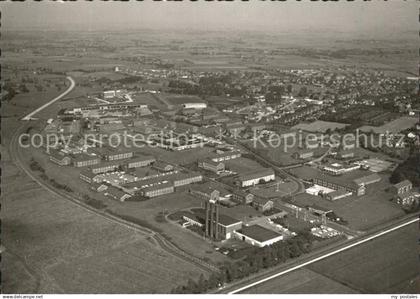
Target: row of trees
x=248, y=261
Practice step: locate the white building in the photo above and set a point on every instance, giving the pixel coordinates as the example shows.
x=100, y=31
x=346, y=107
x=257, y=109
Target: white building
x=257, y=235
x=194, y=105
x=255, y=177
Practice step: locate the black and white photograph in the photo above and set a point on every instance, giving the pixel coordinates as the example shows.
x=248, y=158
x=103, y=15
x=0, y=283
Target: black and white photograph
x=210, y=147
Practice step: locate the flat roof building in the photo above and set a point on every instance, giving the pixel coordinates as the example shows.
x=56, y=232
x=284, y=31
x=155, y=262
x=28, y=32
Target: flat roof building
x=257, y=235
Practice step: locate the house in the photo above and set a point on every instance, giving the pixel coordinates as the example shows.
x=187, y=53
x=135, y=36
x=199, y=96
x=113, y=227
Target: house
x=84, y=160
x=226, y=156
x=117, y=194
x=256, y=177
x=257, y=235
x=106, y=167
x=60, y=158
x=262, y=204
x=162, y=166
x=402, y=187
x=140, y=161
x=207, y=190
x=345, y=154
x=210, y=165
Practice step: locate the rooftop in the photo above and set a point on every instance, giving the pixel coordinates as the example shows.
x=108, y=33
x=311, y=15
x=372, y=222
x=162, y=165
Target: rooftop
x=367, y=179
x=256, y=174
x=84, y=157
x=259, y=233
x=402, y=184
x=141, y=159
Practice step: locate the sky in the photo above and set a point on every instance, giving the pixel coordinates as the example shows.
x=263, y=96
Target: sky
x=271, y=16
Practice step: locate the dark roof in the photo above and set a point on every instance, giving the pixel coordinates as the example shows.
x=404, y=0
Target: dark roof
x=226, y=220
x=259, y=233
x=261, y=200
x=402, y=184
x=319, y=208
x=115, y=192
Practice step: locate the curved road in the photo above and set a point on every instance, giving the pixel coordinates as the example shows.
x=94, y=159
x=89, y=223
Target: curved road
x=72, y=85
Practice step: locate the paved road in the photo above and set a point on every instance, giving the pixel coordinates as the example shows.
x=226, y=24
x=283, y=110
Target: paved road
x=72, y=85
x=239, y=287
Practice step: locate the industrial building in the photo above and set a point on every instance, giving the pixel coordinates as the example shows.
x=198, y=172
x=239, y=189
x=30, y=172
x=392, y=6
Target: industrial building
x=255, y=177
x=210, y=165
x=84, y=160
x=257, y=235
x=158, y=190
x=59, y=158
